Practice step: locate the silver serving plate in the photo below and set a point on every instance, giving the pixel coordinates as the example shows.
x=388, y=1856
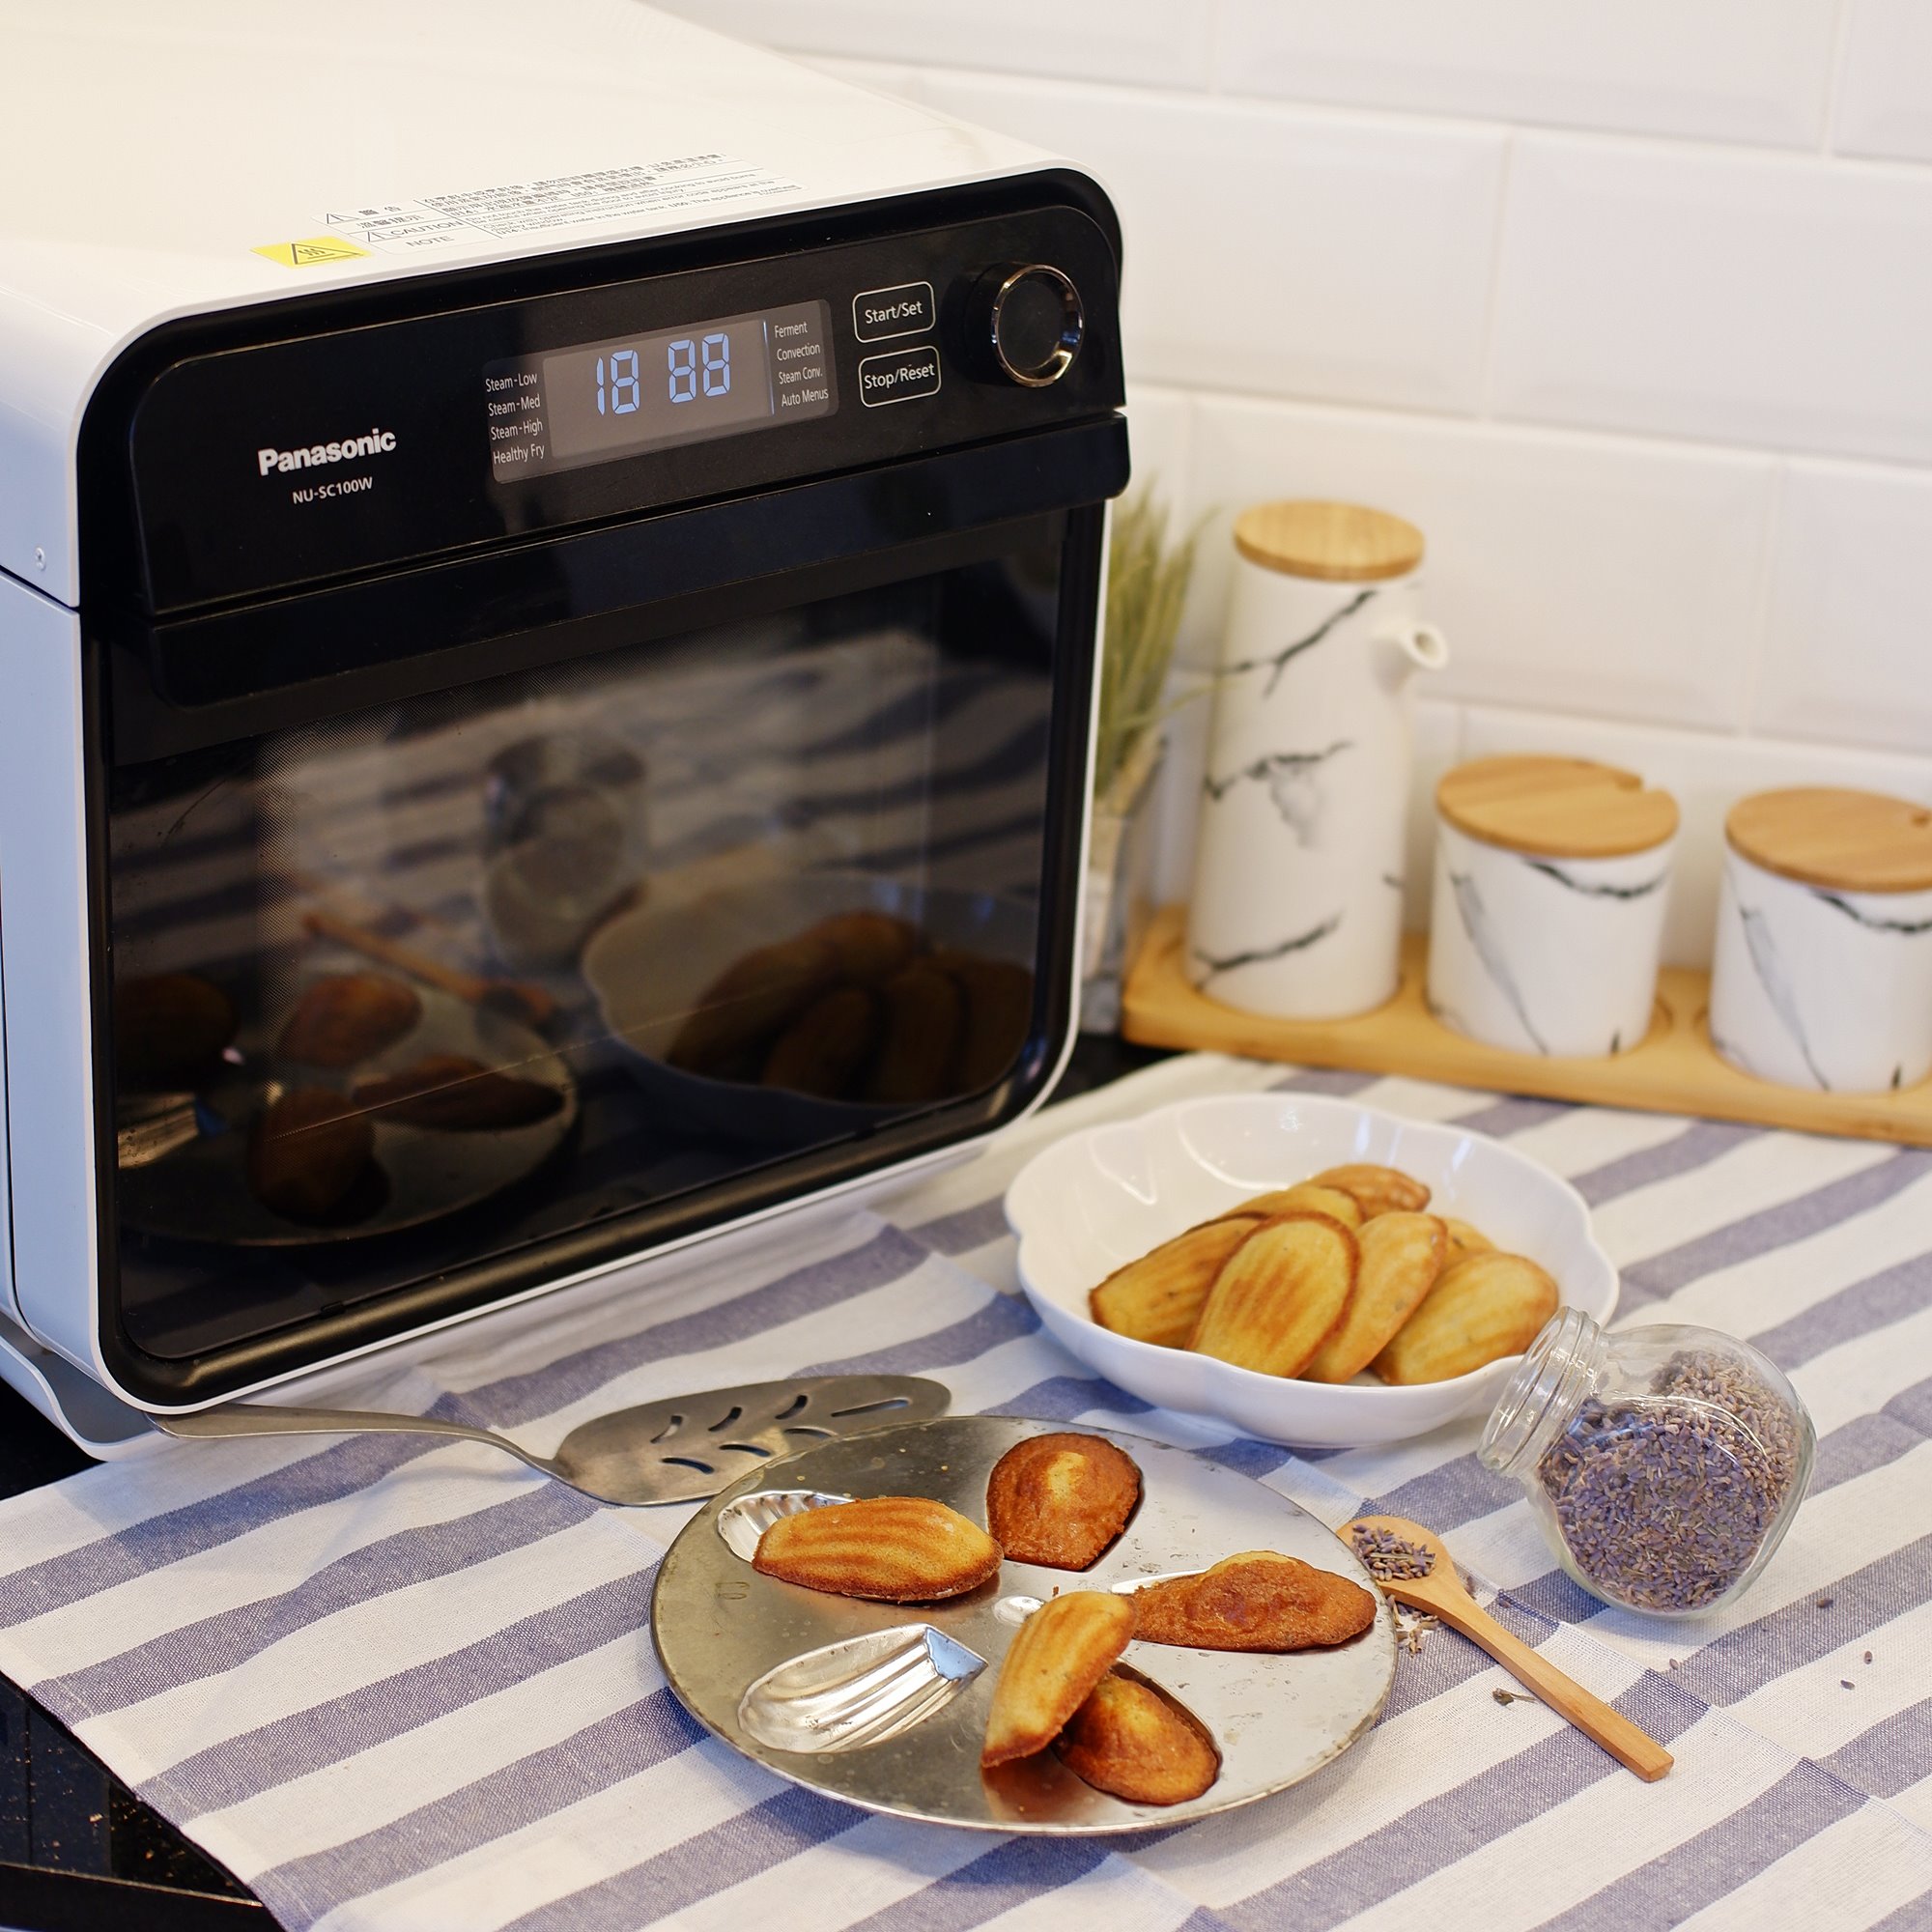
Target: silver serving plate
x=884, y=1705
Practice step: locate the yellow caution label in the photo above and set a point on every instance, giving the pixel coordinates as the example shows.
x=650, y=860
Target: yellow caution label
x=311, y=252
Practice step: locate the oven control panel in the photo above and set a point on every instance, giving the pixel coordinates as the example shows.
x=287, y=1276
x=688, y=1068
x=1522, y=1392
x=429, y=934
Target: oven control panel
x=367, y=441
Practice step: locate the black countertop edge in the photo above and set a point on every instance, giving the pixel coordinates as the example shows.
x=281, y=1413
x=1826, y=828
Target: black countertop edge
x=34, y=1899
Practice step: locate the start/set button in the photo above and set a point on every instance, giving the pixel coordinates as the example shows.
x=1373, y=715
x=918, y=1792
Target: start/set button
x=906, y=310
x=898, y=376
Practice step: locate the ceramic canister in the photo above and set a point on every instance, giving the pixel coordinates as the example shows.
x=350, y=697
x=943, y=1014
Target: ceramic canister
x=1551, y=877
x=1297, y=907
x=1822, y=971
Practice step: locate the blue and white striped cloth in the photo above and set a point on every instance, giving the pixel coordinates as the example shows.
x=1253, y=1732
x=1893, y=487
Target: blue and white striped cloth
x=394, y=1684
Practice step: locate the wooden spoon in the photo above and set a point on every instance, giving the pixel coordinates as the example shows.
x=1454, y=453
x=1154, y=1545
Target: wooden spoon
x=1441, y=1594
x=530, y=1004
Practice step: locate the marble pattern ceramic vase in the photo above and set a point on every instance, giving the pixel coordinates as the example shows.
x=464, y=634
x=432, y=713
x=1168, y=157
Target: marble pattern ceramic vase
x=1547, y=913
x=1297, y=897
x=1546, y=955
x=1816, y=984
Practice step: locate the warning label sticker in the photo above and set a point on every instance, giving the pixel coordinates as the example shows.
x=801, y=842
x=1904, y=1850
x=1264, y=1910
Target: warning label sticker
x=565, y=201
x=312, y=252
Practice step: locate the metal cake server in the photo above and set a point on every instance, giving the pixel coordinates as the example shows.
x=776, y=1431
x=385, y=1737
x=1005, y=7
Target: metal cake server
x=676, y=1451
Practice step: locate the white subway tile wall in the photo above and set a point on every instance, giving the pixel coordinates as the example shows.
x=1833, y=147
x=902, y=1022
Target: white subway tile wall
x=1162, y=43
x=1627, y=307
x=1885, y=96
x=1740, y=297
x=1848, y=651
x=1717, y=70
x=1283, y=251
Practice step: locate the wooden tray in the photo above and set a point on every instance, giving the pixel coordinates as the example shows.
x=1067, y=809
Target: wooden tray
x=1675, y=1070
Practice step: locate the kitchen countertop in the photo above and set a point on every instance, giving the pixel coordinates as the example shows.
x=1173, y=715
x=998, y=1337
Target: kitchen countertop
x=79, y=1851
x=332, y=1775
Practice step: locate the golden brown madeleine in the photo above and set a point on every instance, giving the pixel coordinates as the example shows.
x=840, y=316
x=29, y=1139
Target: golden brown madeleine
x=1402, y=1255
x=1307, y=1195
x=824, y=1051
x=1256, y=1601
x=926, y=1013
x=306, y=1150
x=1058, y=1656
x=866, y=944
x=1482, y=1308
x=1134, y=1740
x=1465, y=1238
x=1158, y=1298
x=753, y=999
x=455, y=1095
x=1382, y=1190
x=1060, y=1498
x=1279, y=1295
x=999, y=1011
x=899, y=1550
x=169, y=1030
x=344, y=1017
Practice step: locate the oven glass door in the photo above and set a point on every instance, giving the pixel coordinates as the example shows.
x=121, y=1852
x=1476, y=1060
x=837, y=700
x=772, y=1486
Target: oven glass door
x=463, y=979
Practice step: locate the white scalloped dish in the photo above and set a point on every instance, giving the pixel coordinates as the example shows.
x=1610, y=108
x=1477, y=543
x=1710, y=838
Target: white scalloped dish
x=1099, y=1198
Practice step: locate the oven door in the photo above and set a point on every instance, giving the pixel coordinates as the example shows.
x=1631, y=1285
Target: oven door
x=476, y=928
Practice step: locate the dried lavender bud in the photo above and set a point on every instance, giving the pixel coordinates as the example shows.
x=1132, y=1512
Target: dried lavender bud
x=1826, y=1602
x=1664, y=1498
x=1868, y=1657
x=1846, y=1682
x=1387, y=1557
x=1411, y=1627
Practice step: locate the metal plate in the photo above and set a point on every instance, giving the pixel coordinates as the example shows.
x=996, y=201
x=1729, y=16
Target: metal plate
x=200, y=1192
x=720, y=1628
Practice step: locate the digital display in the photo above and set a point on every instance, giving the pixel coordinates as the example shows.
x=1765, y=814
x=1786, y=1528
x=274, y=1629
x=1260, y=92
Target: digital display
x=597, y=400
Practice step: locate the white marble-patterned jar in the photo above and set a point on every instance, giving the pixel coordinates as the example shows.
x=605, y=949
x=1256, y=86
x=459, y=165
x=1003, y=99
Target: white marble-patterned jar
x=1297, y=906
x=1822, y=971
x=1551, y=879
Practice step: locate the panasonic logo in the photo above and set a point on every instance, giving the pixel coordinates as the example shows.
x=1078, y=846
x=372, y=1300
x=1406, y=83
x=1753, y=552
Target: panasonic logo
x=377, y=443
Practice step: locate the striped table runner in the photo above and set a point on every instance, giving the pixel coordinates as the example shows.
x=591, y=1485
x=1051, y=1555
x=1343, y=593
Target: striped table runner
x=393, y=1684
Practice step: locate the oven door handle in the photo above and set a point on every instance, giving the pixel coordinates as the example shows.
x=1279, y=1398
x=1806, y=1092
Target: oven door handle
x=251, y=667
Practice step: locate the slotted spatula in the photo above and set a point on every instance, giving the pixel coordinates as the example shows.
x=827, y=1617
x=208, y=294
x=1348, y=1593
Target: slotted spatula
x=676, y=1451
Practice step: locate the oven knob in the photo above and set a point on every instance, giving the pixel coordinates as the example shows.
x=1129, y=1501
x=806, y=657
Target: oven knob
x=1035, y=323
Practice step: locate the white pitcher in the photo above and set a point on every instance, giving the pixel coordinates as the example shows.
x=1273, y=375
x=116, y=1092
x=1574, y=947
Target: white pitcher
x=1297, y=900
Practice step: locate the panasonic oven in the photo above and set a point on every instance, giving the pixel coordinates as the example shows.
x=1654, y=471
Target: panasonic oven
x=539, y=722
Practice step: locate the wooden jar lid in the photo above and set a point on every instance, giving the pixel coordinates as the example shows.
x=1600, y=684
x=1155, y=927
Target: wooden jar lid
x=1342, y=542
x=1555, y=808
x=1849, y=842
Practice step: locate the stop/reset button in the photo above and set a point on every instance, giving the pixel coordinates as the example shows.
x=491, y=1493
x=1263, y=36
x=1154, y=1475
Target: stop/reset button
x=900, y=375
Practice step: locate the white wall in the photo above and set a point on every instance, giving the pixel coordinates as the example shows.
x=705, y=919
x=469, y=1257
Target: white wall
x=1629, y=307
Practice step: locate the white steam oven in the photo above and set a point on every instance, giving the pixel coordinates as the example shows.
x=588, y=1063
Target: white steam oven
x=549, y=566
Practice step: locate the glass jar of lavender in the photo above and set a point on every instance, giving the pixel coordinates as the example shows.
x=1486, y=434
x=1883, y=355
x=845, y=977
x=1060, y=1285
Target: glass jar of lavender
x=1665, y=1464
